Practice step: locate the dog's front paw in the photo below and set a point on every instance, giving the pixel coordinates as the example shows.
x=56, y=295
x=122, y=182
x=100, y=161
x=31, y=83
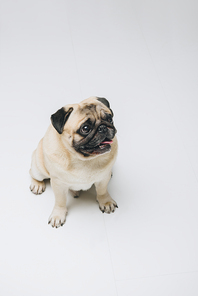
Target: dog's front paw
x=57, y=217
x=107, y=205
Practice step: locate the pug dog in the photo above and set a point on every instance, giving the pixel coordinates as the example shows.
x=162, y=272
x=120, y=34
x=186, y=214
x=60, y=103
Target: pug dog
x=77, y=151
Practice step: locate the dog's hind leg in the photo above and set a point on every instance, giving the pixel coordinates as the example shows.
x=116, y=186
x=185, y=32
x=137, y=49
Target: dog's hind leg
x=38, y=171
x=74, y=193
x=37, y=187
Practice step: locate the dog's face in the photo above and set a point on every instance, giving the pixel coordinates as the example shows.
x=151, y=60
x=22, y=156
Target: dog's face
x=86, y=128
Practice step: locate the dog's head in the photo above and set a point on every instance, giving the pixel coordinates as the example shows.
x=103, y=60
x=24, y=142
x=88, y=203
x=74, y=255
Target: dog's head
x=87, y=128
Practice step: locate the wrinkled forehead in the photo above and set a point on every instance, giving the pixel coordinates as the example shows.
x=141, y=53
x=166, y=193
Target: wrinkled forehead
x=92, y=110
x=82, y=112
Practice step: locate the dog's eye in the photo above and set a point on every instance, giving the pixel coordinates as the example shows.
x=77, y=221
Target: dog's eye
x=86, y=129
x=109, y=119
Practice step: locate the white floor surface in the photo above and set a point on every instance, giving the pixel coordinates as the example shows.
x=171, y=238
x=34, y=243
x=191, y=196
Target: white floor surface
x=143, y=57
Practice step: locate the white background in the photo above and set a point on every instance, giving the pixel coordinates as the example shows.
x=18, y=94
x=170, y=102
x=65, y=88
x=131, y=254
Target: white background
x=143, y=57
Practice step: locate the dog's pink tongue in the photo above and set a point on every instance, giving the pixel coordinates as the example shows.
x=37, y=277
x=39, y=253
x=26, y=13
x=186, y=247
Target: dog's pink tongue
x=107, y=142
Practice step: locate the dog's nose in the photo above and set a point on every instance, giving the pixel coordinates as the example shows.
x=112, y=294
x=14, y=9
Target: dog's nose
x=102, y=129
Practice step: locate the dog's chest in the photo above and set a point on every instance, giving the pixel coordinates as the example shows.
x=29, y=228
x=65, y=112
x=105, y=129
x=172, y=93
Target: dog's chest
x=81, y=177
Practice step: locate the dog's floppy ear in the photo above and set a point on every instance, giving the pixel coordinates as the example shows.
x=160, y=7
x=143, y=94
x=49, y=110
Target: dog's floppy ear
x=105, y=102
x=59, y=118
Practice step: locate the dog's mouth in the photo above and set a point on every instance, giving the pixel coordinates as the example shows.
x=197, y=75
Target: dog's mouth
x=103, y=147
